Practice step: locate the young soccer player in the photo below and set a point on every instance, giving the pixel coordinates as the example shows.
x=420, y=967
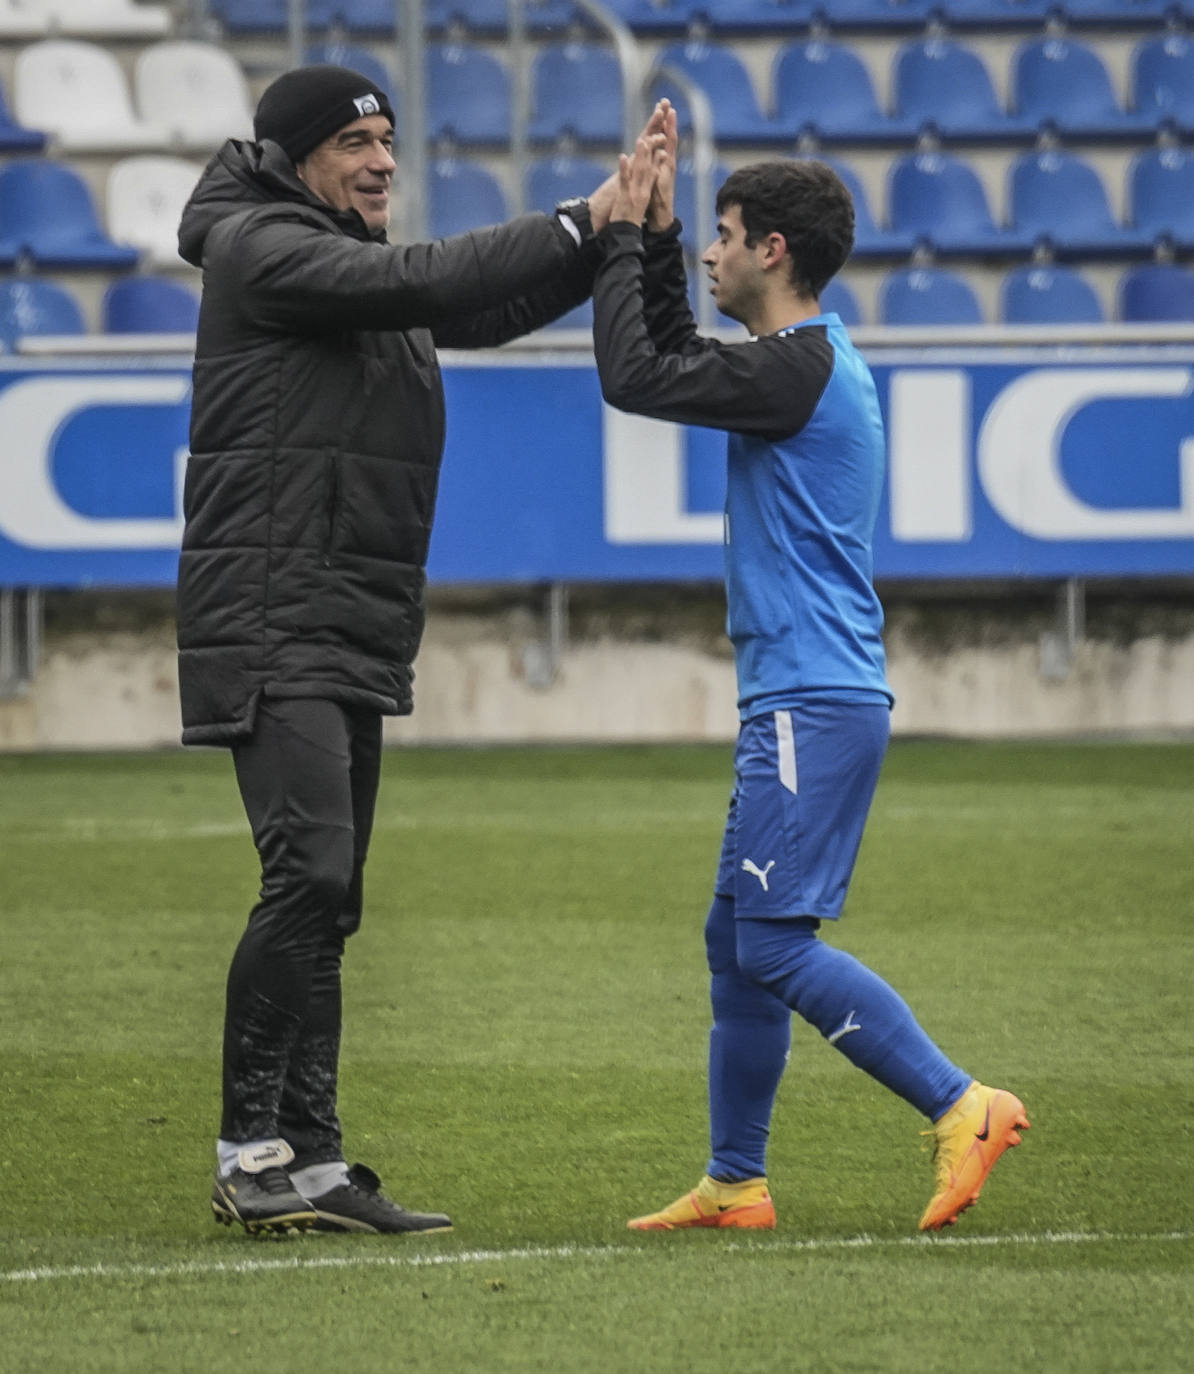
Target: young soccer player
x=805, y=467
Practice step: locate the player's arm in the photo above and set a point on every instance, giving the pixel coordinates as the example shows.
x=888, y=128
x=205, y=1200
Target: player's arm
x=764, y=386
x=293, y=274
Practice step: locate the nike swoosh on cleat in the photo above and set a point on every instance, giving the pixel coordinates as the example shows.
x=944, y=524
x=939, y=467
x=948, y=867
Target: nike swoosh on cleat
x=985, y=1133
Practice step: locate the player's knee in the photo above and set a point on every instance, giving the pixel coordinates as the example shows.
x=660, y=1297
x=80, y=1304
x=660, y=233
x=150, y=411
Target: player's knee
x=770, y=952
x=324, y=872
x=720, y=936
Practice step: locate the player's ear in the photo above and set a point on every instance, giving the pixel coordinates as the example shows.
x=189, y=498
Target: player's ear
x=775, y=249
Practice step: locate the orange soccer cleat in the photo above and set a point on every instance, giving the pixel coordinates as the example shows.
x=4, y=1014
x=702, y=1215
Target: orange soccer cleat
x=968, y=1140
x=746, y=1205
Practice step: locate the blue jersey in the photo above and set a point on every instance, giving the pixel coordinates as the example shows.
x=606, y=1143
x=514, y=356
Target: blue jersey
x=800, y=513
x=806, y=457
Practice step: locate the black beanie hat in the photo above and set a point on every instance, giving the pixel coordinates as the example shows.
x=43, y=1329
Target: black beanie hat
x=305, y=106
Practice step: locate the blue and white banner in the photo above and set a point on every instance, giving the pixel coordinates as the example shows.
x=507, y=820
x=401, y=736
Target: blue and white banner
x=1002, y=463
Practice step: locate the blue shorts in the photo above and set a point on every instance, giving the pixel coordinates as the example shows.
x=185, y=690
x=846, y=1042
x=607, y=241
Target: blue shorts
x=804, y=779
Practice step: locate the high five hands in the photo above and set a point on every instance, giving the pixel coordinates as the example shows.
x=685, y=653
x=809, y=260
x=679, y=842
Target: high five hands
x=644, y=186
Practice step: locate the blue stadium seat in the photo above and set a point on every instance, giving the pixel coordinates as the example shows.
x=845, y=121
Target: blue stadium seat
x=686, y=200
x=149, y=305
x=576, y=89
x=824, y=88
x=1161, y=196
x=654, y=16
x=938, y=199
x=47, y=211
x=1061, y=85
x=1163, y=81
x=927, y=295
x=1049, y=295
x=553, y=18
x=479, y=16
x=14, y=137
x=721, y=75
x=1157, y=292
x=29, y=306
x=264, y=16
x=468, y=95
x=355, y=16
x=943, y=87
x=1059, y=199
x=870, y=239
x=837, y=299
x=553, y=179
x=463, y=196
x=754, y=16
x=894, y=15
x=1118, y=14
x=997, y=14
x=359, y=60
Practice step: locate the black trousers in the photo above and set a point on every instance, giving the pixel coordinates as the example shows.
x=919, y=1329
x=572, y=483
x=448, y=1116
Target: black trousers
x=308, y=778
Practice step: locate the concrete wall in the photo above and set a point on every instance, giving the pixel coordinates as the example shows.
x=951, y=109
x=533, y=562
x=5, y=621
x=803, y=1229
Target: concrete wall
x=958, y=669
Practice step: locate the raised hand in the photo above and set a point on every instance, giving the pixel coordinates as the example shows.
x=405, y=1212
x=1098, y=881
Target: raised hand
x=636, y=179
x=662, y=209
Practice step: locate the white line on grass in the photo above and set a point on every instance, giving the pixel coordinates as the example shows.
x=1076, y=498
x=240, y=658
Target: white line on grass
x=203, y=1268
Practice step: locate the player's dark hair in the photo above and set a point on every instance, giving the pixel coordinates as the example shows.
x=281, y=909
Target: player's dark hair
x=805, y=201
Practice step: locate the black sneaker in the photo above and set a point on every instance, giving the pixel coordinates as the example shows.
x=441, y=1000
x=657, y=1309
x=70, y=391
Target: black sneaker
x=359, y=1205
x=265, y=1203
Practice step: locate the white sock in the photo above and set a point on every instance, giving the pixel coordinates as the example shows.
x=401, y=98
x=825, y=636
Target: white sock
x=317, y=1179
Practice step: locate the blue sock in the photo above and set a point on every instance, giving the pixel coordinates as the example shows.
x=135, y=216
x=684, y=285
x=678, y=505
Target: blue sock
x=853, y=1008
x=748, y=1049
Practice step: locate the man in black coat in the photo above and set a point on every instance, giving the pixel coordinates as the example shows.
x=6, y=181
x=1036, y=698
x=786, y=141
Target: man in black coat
x=316, y=437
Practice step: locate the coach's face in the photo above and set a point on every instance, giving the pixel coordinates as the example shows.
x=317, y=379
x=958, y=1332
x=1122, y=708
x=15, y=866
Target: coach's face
x=353, y=170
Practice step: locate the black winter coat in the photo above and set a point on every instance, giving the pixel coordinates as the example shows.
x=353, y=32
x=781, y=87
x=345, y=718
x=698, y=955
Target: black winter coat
x=317, y=430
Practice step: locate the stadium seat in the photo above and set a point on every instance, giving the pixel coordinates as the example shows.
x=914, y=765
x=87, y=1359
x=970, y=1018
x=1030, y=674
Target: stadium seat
x=196, y=91
x=1157, y=292
x=870, y=240
x=1049, y=295
x=1163, y=81
x=20, y=20
x=737, y=118
x=251, y=16
x=14, y=137
x=1118, y=13
x=1059, y=199
x=360, y=60
x=553, y=179
x=468, y=95
x=938, y=200
x=824, y=89
x=1062, y=86
x=78, y=92
x=754, y=16
x=106, y=18
x=686, y=207
x=29, y=306
x=47, y=212
x=838, y=299
x=463, y=196
x=479, y=16
x=576, y=89
x=944, y=88
x=1161, y=196
x=145, y=199
x=896, y=15
x=149, y=305
x=997, y=14
x=656, y=17
x=927, y=296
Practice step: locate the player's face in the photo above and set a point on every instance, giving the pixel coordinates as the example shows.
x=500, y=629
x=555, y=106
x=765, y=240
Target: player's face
x=354, y=168
x=735, y=271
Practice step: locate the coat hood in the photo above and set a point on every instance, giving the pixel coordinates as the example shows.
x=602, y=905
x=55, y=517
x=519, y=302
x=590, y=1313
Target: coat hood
x=242, y=175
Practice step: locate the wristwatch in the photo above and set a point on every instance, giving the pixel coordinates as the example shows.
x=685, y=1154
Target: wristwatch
x=574, y=215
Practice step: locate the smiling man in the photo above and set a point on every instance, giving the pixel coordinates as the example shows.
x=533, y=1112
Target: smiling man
x=317, y=430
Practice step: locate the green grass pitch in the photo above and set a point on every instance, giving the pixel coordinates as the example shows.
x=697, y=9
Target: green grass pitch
x=525, y=1042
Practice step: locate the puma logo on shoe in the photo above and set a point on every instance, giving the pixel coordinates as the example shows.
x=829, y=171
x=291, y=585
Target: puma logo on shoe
x=266, y=1155
x=848, y=1025
x=749, y=866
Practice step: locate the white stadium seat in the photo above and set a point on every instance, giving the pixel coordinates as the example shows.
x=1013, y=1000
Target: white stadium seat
x=23, y=19
x=105, y=18
x=78, y=92
x=196, y=91
x=145, y=198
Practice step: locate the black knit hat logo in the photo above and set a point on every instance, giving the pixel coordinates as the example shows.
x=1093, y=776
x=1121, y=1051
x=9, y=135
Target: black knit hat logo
x=305, y=106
